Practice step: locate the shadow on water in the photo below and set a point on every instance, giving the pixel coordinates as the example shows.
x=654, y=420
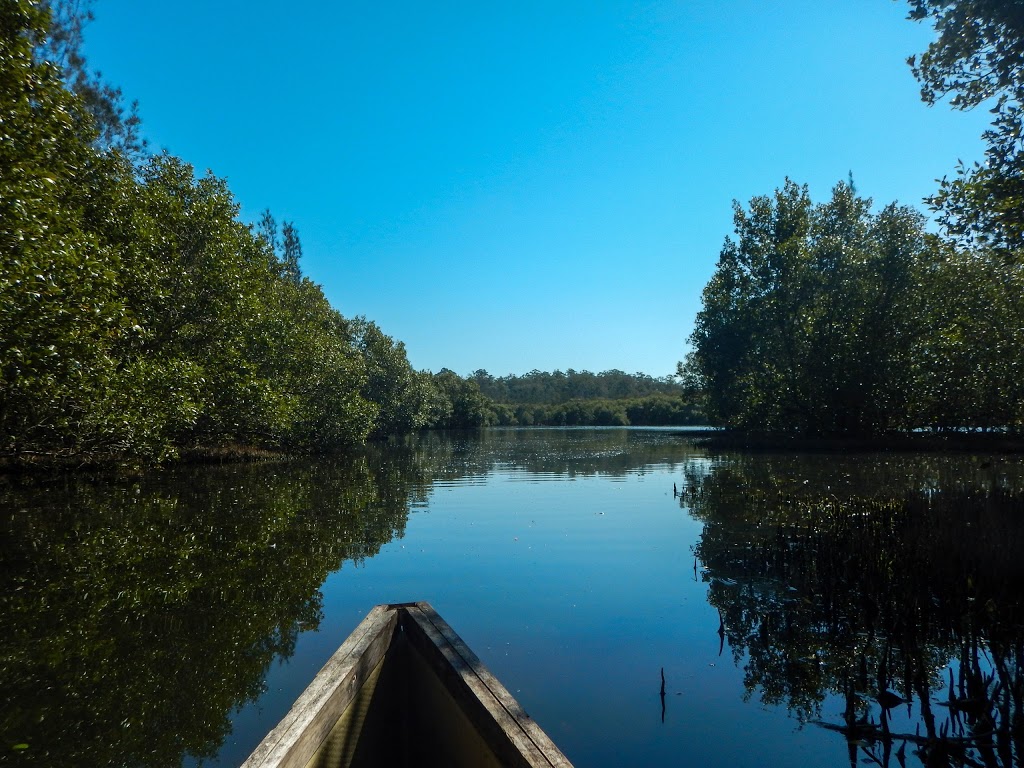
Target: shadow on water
x=881, y=600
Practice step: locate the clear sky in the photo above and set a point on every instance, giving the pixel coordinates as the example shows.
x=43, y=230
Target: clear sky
x=533, y=184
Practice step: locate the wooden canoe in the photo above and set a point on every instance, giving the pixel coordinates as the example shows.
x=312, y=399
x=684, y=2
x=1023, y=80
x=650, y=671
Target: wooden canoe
x=405, y=690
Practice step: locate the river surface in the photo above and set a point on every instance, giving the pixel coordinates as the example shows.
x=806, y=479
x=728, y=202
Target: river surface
x=806, y=609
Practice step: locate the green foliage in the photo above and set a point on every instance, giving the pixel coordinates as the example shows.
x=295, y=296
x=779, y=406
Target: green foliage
x=976, y=59
x=540, y=387
x=59, y=303
x=655, y=410
x=971, y=362
x=460, y=404
x=319, y=375
x=405, y=399
x=813, y=319
x=138, y=315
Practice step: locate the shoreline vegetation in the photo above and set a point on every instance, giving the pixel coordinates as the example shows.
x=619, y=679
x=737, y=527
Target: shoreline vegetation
x=572, y=399
x=989, y=445
x=838, y=318
x=143, y=322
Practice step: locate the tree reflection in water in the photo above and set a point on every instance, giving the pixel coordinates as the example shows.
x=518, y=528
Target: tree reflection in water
x=140, y=612
x=908, y=604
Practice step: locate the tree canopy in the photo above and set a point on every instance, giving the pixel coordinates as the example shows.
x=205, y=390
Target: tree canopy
x=831, y=319
x=139, y=316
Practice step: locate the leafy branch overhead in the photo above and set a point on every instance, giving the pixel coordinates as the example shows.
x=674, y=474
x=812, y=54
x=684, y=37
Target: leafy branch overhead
x=977, y=60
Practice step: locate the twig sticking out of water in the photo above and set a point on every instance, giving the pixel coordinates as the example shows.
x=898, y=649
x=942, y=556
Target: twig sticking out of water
x=662, y=694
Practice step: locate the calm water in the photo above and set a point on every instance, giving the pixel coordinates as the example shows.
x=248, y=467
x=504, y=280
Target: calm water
x=173, y=617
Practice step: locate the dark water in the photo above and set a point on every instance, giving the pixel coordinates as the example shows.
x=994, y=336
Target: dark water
x=806, y=610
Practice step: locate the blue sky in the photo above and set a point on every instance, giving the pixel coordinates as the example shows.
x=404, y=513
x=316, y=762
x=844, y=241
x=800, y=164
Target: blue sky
x=533, y=184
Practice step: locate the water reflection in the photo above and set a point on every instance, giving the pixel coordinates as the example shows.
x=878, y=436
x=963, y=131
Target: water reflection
x=540, y=453
x=140, y=613
x=878, y=598
x=894, y=585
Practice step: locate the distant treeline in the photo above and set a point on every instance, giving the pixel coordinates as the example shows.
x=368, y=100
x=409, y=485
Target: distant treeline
x=582, y=398
x=654, y=410
x=558, y=387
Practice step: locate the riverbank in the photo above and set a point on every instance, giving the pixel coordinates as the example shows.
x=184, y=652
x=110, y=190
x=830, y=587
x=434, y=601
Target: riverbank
x=706, y=437
x=927, y=442
x=41, y=463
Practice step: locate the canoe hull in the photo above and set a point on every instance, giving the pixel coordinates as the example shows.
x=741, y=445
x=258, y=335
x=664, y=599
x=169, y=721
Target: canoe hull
x=404, y=689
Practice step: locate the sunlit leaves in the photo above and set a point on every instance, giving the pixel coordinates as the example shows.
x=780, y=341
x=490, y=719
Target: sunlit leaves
x=971, y=360
x=59, y=306
x=463, y=404
x=403, y=398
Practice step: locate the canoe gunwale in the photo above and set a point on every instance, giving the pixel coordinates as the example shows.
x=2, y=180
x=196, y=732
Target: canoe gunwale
x=514, y=736
x=516, y=739
x=300, y=733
